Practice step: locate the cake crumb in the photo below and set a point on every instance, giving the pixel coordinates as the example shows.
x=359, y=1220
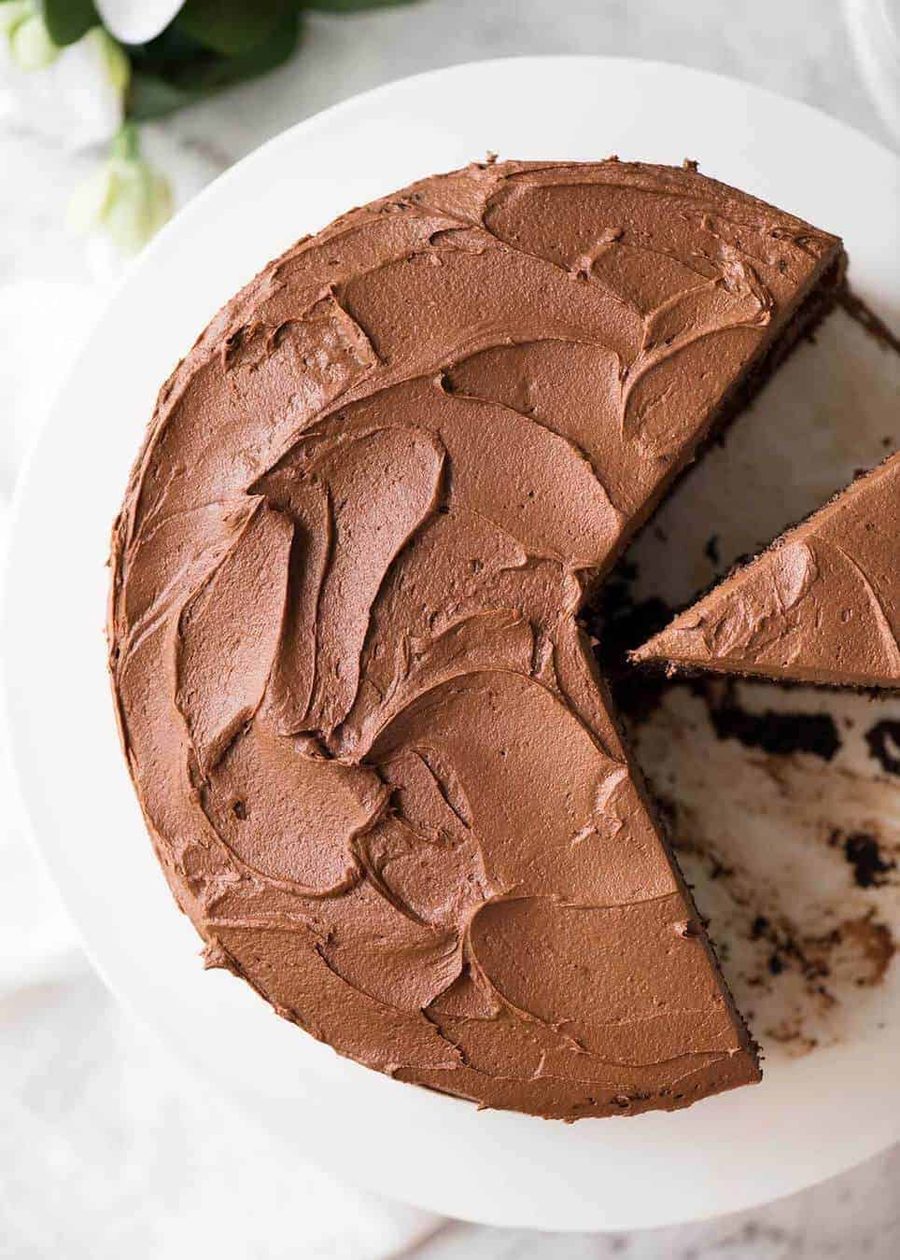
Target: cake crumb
x=871, y=868
x=883, y=740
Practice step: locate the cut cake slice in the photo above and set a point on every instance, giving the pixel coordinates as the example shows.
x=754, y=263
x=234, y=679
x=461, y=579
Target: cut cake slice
x=820, y=605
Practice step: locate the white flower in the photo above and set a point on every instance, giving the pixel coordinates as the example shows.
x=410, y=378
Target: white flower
x=126, y=196
x=77, y=97
x=13, y=12
x=137, y=21
x=112, y=56
x=30, y=45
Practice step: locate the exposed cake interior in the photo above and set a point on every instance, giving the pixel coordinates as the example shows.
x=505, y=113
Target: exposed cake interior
x=380, y=770
x=821, y=605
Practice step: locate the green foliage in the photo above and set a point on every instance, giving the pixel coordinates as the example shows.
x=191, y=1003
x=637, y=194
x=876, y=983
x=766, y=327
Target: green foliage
x=68, y=20
x=213, y=44
x=176, y=68
x=232, y=27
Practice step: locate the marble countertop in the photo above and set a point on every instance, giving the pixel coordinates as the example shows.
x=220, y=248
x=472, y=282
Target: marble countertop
x=797, y=47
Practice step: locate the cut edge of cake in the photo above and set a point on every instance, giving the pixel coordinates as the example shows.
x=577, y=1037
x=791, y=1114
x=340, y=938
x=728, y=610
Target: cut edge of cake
x=819, y=606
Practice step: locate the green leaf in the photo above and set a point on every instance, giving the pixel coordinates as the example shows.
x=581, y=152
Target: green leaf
x=231, y=27
x=173, y=70
x=149, y=96
x=68, y=20
x=172, y=47
x=351, y=6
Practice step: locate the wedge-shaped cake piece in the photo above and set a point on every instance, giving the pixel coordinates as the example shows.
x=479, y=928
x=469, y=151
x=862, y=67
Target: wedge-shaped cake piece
x=821, y=605
x=380, y=770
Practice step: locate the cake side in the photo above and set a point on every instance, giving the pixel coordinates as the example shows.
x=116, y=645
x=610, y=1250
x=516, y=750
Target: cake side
x=821, y=605
x=370, y=745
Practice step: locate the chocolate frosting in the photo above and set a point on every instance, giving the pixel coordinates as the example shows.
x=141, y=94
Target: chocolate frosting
x=822, y=605
x=379, y=768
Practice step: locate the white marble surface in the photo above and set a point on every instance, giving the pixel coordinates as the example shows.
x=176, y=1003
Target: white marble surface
x=90, y=1103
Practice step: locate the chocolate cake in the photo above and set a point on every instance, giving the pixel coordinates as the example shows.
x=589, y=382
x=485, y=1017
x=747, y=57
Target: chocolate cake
x=821, y=605
x=379, y=768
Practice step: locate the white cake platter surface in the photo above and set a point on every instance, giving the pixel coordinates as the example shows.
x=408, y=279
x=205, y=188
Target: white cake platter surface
x=831, y=1094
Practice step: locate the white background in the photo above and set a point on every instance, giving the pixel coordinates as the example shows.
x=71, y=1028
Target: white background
x=103, y=1150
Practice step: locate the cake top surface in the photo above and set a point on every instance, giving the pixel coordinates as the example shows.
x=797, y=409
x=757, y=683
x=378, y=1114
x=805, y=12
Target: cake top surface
x=369, y=739
x=821, y=605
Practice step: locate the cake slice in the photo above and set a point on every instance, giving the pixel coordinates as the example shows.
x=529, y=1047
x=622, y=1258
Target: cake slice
x=379, y=768
x=821, y=605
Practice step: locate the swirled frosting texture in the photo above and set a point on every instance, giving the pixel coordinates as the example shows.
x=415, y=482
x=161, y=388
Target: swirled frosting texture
x=822, y=605
x=378, y=766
